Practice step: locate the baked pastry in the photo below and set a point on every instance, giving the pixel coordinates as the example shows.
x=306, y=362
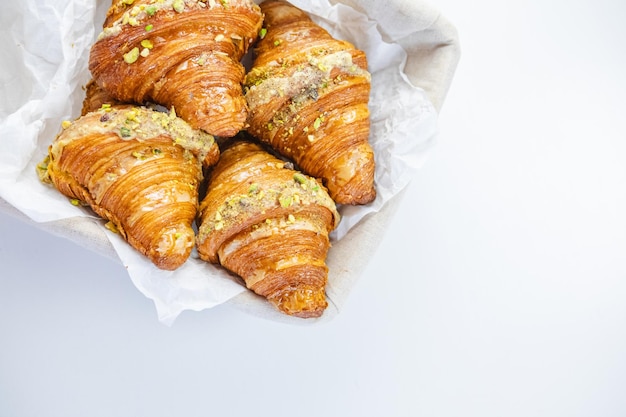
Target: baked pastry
x=308, y=97
x=180, y=53
x=139, y=169
x=95, y=98
x=269, y=224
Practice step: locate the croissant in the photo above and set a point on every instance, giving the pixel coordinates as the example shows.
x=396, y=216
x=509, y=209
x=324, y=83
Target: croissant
x=308, y=98
x=139, y=169
x=269, y=224
x=180, y=53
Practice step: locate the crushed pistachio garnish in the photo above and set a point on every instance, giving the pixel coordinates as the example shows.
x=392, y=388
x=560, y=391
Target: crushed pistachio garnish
x=131, y=56
x=318, y=123
x=254, y=187
x=262, y=33
x=147, y=43
x=285, y=201
x=179, y=6
x=299, y=178
x=65, y=124
x=235, y=209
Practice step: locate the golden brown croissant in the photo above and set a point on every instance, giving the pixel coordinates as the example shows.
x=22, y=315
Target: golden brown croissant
x=181, y=53
x=138, y=168
x=308, y=97
x=269, y=224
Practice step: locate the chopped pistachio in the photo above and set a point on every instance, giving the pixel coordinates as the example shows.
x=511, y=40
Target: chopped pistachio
x=178, y=5
x=75, y=202
x=151, y=10
x=66, y=124
x=262, y=33
x=277, y=42
x=131, y=56
x=124, y=132
x=254, y=187
x=317, y=123
x=147, y=43
x=285, y=201
x=148, y=28
x=299, y=178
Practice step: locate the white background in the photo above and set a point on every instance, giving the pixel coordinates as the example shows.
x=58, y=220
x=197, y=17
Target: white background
x=499, y=289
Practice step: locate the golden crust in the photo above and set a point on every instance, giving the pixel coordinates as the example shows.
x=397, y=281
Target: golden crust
x=184, y=54
x=308, y=96
x=138, y=169
x=269, y=224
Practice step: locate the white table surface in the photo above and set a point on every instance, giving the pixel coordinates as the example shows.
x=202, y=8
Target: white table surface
x=499, y=289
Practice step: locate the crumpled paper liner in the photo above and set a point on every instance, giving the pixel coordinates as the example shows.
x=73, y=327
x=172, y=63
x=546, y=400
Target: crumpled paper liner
x=412, y=52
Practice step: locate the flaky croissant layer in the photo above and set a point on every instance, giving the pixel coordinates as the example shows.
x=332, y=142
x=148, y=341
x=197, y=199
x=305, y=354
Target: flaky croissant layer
x=268, y=224
x=308, y=96
x=181, y=53
x=140, y=170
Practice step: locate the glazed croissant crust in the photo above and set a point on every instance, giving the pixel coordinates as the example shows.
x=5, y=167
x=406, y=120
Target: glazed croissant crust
x=308, y=96
x=180, y=53
x=269, y=224
x=140, y=170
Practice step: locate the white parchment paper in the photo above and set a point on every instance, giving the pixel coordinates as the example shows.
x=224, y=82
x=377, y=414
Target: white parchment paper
x=44, y=54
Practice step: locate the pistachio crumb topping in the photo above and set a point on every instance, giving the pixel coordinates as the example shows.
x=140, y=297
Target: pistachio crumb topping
x=139, y=123
x=179, y=5
x=302, y=191
x=131, y=56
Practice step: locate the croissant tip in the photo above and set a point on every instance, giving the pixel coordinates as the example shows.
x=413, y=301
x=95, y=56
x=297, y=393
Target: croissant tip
x=302, y=302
